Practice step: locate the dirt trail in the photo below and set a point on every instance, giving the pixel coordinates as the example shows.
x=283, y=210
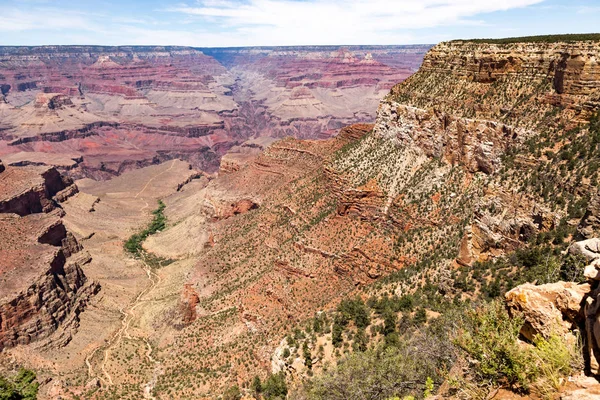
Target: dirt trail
x=128, y=315
x=150, y=181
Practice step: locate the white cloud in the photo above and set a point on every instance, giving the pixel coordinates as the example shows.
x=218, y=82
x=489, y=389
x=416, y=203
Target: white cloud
x=251, y=22
x=15, y=20
x=336, y=21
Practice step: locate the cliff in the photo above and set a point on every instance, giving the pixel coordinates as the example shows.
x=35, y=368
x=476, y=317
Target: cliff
x=506, y=110
x=43, y=285
x=472, y=180
x=516, y=82
x=29, y=190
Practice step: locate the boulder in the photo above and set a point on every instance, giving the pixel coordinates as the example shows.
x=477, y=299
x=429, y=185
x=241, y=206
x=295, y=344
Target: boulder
x=592, y=271
x=554, y=307
x=590, y=248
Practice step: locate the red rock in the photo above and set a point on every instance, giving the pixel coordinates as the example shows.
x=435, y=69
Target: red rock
x=42, y=284
x=127, y=107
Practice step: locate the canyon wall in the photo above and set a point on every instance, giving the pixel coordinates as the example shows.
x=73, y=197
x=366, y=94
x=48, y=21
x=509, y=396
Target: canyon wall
x=113, y=109
x=468, y=160
x=42, y=283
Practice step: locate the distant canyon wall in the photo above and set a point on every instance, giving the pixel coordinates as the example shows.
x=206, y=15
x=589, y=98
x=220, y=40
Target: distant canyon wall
x=118, y=108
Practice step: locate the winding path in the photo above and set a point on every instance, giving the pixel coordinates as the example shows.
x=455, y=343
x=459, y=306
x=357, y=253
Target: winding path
x=150, y=180
x=128, y=315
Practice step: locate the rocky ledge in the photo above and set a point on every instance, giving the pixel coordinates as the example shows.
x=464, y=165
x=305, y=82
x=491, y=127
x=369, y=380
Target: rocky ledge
x=33, y=189
x=471, y=102
x=564, y=307
x=42, y=283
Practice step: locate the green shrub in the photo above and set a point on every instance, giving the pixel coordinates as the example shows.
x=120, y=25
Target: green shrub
x=336, y=334
x=275, y=387
x=556, y=358
x=491, y=338
x=232, y=393
x=378, y=374
x=22, y=387
x=134, y=244
x=256, y=386
x=354, y=309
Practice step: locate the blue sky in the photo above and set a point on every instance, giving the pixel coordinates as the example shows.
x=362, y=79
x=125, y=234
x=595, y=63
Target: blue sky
x=208, y=23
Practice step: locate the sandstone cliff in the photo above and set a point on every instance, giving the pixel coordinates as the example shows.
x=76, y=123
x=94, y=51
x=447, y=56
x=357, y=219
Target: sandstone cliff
x=31, y=190
x=495, y=108
x=43, y=285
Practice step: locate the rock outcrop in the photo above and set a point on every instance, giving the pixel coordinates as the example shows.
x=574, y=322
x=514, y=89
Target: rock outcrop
x=471, y=102
x=590, y=248
x=27, y=190
x=43, y=286
x=548, y=309
x=559, y=307
x=494, y=77
x=476, y=144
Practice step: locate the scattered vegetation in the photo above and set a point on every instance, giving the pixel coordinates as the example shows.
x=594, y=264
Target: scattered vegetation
x=490, y=339
x=380, y=373
x=23, y=386
x=576, y=37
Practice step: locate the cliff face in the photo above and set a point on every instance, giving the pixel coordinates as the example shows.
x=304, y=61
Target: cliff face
x=483, y=98
x=477, y=107
x=43, y=285
x=509, y=82
x=30, y=190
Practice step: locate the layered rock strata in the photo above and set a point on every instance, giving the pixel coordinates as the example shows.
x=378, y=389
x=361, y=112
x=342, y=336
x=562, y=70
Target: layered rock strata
x=128, y=107
x=43, y=286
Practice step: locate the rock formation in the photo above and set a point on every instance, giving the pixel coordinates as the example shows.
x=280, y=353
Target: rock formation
x=559, y=307
x=30, y=190
x=554, y=308
x=122, y=108
x=42, y=283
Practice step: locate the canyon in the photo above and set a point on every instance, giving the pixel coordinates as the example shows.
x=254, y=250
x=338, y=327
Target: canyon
x=257, y=211
x=97, y=111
